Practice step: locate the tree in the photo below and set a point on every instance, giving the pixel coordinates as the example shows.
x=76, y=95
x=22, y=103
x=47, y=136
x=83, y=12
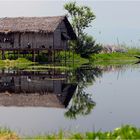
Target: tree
x=87, y=46
x=81, y=17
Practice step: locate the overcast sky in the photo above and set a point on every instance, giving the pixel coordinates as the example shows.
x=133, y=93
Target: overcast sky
x=114, y=19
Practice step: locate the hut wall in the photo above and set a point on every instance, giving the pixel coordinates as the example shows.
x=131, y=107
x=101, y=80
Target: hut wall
x=59, y=43
x=36, y=40
x=16, y=40
x=43, y=41
x=6, y=41
x=21, y=40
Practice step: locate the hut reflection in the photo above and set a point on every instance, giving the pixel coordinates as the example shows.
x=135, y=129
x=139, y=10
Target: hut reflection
x=35, y=88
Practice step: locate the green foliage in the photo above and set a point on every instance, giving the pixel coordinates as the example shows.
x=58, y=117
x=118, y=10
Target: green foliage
x=78, y=60
x=119, y=56
x=81, y=17
x=19, y=63
x=130, y=55
x=124, y=132
x=42, y=57
x=115, y=58
x=88, y=46
x=7, y=134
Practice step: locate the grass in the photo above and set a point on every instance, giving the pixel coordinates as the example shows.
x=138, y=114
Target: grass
x=19, y=63
x=96, y=59
x=24, y=62
x=61, y=65
x=44, y=68
x=78, y=60
x=116, y=57
x=124, y=132
x=6, y=134
x=113, y=56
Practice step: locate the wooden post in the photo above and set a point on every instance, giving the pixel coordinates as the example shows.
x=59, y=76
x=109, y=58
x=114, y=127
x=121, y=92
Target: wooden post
x=38, y=55
x=54, y=56
x=3, y=71
x=3, y=55
x=8, y=54
x=50, y=55
x=14, y=54
x=65, y=58
x=18, y=54
x=33, y=55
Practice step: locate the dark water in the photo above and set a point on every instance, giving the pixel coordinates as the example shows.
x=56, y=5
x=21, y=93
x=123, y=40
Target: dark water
x=86, y=99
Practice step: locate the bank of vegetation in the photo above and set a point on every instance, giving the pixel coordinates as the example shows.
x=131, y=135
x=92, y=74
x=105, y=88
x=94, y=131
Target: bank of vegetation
x=127, y=57
x=18, y=63
x=7, y=134
x=124, y=132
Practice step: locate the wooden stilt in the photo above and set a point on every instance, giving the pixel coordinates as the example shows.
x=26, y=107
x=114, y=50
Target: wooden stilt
x=14, y=54
x=8, y=54
x=54, y=59
x=50, y=58
x=33, y=55
x=3, y=71
x=38, y=55
x=18, y=52
x=65, y=58
x=3, y=55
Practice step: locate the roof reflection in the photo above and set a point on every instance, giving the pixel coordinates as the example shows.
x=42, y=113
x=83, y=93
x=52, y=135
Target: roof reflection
x=35, y=88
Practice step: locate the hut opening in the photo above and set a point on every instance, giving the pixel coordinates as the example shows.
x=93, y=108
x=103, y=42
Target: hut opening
x=30, y=36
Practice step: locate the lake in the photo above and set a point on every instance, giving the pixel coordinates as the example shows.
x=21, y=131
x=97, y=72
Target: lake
x=88, y=98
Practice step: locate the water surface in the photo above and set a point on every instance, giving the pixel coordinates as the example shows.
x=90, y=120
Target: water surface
x=85, y=99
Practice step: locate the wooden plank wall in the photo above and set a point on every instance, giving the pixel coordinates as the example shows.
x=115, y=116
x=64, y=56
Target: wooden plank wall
x=21, y=40
x=58, y=42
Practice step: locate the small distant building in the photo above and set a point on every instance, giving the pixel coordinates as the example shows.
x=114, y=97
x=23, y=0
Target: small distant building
x=34, y=34
x=113, y=48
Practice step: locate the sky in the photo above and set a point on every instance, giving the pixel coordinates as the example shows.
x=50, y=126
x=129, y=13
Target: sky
x=117, y=22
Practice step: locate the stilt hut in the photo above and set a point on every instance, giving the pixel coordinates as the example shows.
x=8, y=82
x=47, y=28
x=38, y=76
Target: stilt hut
x=31, y=35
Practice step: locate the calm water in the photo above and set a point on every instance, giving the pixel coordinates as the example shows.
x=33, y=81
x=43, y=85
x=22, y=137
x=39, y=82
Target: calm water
x=87, y=99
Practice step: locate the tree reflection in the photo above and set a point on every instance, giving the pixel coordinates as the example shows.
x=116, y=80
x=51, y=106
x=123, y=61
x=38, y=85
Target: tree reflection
x=82, y=102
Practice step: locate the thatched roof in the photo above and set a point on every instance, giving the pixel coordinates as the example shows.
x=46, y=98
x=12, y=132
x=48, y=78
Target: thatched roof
x=34, y=24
